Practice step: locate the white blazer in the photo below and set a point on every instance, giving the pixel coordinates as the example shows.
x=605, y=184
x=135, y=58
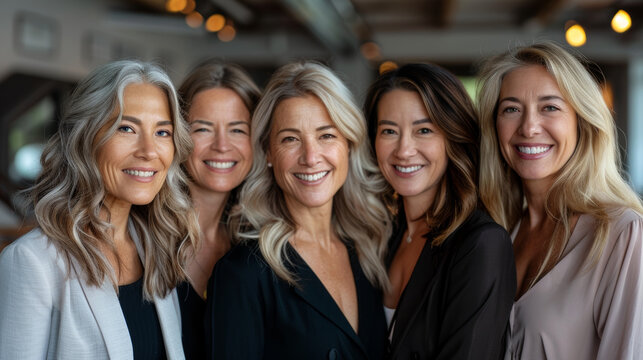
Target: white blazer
x=45, y=315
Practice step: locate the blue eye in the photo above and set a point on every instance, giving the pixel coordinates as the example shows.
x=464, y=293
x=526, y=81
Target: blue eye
x=238, y=131
x=125, y=128
x=200, y=130
x=550, y=108
x=164, y=133
x=510, y=109
x=328, y=136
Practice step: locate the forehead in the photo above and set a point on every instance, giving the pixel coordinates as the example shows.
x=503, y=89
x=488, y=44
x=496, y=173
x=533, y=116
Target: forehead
x=304, y=112
x=529, y=79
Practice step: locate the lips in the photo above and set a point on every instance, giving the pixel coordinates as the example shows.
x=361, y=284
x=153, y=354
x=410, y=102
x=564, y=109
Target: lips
x=140, y=173
x=533, y=150
x=311, y=177
x=220, y=164
x=408, y=169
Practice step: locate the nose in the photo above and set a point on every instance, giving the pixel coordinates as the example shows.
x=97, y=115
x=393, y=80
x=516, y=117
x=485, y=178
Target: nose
x=221, y=142
x=405, y=147
x=530, y=124
x=311, y=153
x=146, y=148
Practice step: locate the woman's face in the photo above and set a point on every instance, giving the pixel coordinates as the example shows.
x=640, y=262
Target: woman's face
x=537, y=128
x=308, y=153
x=134, y=161
x=220, y=130
x=410, y=149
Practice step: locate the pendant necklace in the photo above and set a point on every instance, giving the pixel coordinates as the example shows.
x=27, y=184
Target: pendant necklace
x=409, y=238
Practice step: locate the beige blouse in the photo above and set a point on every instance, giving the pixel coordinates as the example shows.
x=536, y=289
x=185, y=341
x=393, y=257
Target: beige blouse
x=579, y=313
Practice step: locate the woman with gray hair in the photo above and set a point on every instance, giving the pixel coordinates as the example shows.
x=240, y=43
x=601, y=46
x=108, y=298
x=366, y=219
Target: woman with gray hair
x=96, y=278
x=304, y=282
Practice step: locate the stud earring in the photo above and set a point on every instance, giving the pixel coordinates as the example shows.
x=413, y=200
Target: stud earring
x=269, y=164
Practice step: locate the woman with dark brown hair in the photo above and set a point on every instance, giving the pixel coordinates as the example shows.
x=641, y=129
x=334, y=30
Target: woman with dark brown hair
x=450, y=266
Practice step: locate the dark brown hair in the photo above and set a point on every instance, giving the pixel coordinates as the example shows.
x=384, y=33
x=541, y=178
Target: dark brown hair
x=452, y=112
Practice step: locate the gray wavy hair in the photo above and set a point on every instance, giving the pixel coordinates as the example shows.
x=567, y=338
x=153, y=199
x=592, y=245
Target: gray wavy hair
x=69, y=193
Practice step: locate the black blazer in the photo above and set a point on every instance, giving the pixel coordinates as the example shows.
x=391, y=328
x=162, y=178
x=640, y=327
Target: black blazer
x=457, y=302
x=252, y=314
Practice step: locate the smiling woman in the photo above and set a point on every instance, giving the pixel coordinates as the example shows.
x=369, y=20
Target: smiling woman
x=113, y=227
x=304, y=282
x=550, y=175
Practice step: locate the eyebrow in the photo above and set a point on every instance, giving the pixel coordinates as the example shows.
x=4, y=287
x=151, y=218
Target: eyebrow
x=542, y=98
x=392, y=123
x=321, y=128
x=138, y=121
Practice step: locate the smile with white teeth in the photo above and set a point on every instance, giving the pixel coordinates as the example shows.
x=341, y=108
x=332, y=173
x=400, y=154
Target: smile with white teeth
x=220, y=164
x=139, y=173
x=408, y=169
x=311, y=177
x=533, y=149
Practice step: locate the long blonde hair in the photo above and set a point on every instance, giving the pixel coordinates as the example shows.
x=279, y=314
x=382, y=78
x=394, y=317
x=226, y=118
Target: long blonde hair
x=589, y=183
x=69, y=193
x=359, y=216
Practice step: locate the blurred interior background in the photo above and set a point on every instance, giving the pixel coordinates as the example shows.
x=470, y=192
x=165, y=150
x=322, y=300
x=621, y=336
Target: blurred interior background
x=48, y=45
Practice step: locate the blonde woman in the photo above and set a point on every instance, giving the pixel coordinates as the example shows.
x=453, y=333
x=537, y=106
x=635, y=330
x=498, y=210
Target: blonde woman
x=550, y=175
x=304, y=283
x=217, y=101
x=95, y=279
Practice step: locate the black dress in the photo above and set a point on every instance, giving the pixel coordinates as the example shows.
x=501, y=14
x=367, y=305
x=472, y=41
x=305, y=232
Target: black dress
x=192, y=321
x=457, y=302
x=142, y=322
x=253, y=314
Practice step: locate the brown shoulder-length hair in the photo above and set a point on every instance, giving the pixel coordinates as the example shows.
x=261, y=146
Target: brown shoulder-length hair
x=451, y=110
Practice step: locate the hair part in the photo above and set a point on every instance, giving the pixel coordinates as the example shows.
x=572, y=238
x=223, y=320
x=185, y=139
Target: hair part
x=589, y=183
x=359, y=217
x=450, y=109
x=68, y=195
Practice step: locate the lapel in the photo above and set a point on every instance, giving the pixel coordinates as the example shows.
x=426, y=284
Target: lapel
x=313, y=292
x=109, y=318
x=167, y=309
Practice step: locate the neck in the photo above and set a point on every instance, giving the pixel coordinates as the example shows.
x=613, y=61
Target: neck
x=209, y=206
x=313, y=224
x=535, y=194
x=118, y=217
x=415, y=209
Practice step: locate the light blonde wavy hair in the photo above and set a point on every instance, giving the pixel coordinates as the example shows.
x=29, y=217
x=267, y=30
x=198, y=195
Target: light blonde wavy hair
x=359, y=216
x=589, y=183
x=68, y=195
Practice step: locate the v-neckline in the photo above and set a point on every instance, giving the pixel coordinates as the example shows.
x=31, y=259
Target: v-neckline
x=301, y=262
x=571, y=244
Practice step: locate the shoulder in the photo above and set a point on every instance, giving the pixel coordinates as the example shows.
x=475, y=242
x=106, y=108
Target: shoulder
x=479, y=231
x=622, y=218
x=33, y=247
x=243, y=262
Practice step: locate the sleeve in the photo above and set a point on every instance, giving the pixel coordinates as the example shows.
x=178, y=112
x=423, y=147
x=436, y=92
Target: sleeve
x=480, y=289
x=25, y=304
x=235, y=317
x=618, y=307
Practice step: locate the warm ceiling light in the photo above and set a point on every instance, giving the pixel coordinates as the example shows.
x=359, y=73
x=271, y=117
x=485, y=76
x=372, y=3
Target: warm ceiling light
x=189, y=7
x=215, y=23
x=175, y=5
x=387, y=66
x=194, y=19
x=227, y=33
x=575, y=36
x=621, y=22
x=370, y=50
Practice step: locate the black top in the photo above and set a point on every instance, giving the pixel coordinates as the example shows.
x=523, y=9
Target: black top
x=192, y=321
x=457, y=302
x=142, y=322
x=253, y=314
